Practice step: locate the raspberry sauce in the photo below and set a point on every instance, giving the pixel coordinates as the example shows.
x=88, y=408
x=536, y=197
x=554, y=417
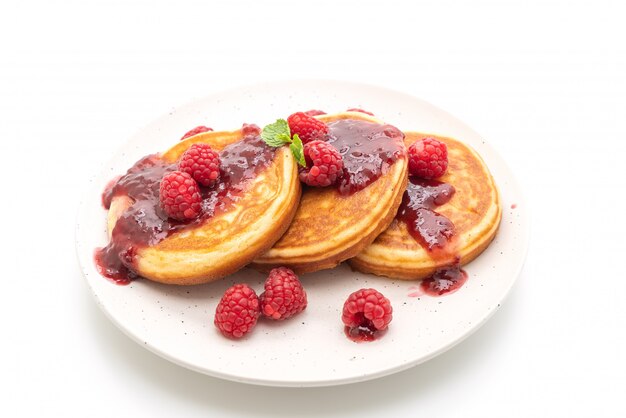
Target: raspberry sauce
x=363, y=333
x=445, y=280
x=145, y=223
x=428, y=227
x=432, y=230
x=368, y=150
x=314, y=112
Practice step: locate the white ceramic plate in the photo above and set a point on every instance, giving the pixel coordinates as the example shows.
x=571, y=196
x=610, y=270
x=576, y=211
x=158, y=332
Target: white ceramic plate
x=310, y=349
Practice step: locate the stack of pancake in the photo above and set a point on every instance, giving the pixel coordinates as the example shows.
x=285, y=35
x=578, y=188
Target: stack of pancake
x=277, y=222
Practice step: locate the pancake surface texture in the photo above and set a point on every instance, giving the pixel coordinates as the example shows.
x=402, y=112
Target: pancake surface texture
x=474, y=209
x=244, y=224
x=330, y=227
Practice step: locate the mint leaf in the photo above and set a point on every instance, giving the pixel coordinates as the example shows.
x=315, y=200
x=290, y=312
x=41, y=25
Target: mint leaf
x=277, y=133
x=297, y=149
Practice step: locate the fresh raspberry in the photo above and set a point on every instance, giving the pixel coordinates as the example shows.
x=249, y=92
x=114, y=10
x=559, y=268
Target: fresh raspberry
x=180, y=196
x=367, y=309
x=197, y=130
x=314, y=112
x=284, y=295
x=356, y=109
x=237, y=312
x=428, y=158
x=248, y=129
x=307, y=127
x=324, y=164
x=202, y=163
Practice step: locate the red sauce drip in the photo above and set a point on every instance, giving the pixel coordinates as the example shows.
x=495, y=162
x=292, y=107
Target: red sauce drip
x=444, y=281
x=364, y=332
x=314, y=112
x=250, y=129
x=368, y=150
x=357, y=109
x=433, y=231
x=145, y=224
x=429, y=228
x=108, y=190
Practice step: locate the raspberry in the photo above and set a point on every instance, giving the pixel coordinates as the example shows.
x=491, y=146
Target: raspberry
x=195, y=131
x=314, y=112
x=428, y=158
x=324, y=164
x=250, y=129
x=202, y=163
x=307, y=127
x=356, y=109
x=180, y=196
x=368, y=309
x=237, y=312
x=284, y=295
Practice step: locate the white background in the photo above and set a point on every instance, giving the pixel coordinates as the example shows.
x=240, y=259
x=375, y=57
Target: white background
x=544, y=82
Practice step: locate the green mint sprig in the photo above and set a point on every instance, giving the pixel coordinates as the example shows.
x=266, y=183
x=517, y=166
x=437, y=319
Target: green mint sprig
x=278, y=134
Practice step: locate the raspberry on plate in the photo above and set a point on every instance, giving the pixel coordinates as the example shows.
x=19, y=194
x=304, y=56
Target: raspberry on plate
x=197, y=130
x=428, y=158
x=237, y=312
x=367, y=310
x=324, y=164
x=306, y=127
x=180, y=196
x=202, y=163
x=284, y=295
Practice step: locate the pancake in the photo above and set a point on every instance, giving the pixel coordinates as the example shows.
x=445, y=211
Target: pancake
x=329, y=226
x=474, y=209
x=247, y=217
